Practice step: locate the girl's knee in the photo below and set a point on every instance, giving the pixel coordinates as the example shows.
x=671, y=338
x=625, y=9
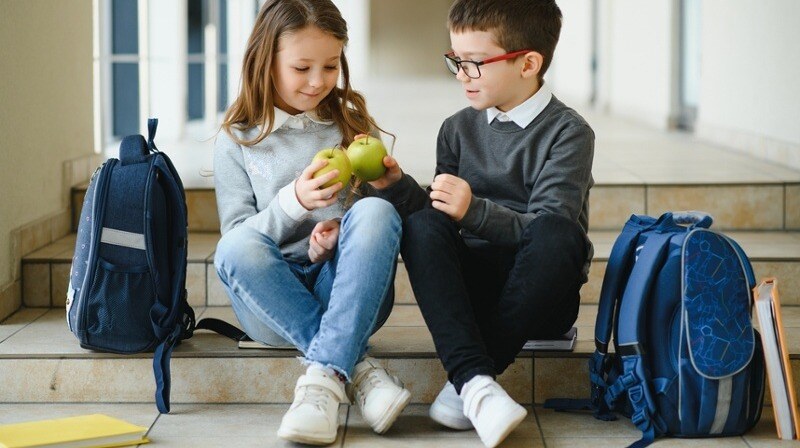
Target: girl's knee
x=242, y=246
x=373, y=213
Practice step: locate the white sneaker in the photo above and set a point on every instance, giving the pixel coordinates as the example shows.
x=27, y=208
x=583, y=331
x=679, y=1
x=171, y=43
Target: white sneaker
x=380, y=397
x=493, y=413
x=313, y=417
x=448, y=409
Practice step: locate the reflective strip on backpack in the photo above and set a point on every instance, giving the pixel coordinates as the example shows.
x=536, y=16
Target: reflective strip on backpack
x=122, y=238
x=723, y=405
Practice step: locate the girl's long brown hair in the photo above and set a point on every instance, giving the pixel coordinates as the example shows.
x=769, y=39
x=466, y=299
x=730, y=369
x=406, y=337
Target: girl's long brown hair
x=254, y=105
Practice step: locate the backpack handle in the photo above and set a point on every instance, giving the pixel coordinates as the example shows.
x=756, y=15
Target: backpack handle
x=693, y=219
x=134, y=148
x=152, y=125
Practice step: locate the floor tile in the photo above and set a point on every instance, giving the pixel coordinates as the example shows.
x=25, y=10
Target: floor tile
x=765, y=435
x=49, y=334
x=18, y=321
x=36, y=284
x=202, y=245
x=208, y=425
x=731, y=206
x=55, y=249
x=137, y=414
x=405, y=316
x=582, y=424
x=415, y=428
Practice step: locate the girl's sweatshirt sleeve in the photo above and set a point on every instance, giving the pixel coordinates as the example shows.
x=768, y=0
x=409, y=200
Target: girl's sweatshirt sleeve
x=236, y=200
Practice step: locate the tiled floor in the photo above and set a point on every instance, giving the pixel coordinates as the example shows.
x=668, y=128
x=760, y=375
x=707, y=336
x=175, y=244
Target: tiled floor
x=205, y=425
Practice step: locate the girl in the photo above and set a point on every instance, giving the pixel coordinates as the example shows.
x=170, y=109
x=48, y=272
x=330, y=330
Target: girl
x=301, y=268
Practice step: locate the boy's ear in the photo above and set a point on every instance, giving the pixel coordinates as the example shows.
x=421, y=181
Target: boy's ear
x=532, y=65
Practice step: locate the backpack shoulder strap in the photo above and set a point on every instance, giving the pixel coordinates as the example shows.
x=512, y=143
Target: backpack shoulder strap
x=635, y=378
x=616, y=275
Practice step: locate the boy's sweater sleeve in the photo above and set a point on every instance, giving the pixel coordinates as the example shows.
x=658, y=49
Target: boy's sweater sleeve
x=236, y=201
x=560, y=188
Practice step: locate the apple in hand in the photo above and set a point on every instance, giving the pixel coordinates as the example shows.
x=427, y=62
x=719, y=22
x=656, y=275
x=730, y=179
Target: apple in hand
x=366, y=157
x=337, y=160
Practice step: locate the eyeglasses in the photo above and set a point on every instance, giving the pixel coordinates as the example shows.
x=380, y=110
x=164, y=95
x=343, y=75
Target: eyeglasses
x=471, y=68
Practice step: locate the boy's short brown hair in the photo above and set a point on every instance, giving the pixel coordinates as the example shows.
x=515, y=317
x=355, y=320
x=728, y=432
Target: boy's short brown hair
x=516, y=24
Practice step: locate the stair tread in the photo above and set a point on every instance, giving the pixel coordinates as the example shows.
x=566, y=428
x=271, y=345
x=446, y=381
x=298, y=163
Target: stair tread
x=776, y=245
x=43, y=333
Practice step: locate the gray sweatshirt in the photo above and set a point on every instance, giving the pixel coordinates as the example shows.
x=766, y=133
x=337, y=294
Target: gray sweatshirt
x=255, y=185
x=516, y=174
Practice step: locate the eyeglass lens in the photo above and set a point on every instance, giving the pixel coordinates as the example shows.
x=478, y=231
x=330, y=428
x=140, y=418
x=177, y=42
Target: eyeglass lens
x=470, y=68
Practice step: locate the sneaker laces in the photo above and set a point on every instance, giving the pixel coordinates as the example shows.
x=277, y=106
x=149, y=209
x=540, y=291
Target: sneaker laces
x=370, y=379
x=316, y=396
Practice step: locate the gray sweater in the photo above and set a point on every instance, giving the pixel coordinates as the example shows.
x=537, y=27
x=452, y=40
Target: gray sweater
x=255, y=185
x=515, y=174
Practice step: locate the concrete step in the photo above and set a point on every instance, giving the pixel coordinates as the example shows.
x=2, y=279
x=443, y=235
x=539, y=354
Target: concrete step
x=744, y=206
x=45, y=273
x=40, y=361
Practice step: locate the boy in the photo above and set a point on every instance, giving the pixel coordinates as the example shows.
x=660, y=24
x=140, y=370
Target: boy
x=497, y=250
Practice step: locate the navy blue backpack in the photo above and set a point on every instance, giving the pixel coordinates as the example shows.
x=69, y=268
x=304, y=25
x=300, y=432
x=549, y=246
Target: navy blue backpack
x=127, y=290
x=687, y=362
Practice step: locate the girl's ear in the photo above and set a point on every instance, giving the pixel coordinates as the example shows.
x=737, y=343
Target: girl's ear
x=532, y=64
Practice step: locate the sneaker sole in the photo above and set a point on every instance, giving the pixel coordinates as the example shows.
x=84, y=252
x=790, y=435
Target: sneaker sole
x=293, y=435
x=444, y=416
x=393, y=412
x=499, y=432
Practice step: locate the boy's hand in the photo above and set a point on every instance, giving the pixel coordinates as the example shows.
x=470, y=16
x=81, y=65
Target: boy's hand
x=307, y=189
x=451, y=195
x=323, y=240
x=393, y=172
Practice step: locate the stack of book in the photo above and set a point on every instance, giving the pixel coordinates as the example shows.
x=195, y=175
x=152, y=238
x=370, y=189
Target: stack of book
x=776, y=356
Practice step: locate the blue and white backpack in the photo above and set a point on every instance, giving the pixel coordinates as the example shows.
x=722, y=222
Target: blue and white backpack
x=127, y=290
x=687, y=361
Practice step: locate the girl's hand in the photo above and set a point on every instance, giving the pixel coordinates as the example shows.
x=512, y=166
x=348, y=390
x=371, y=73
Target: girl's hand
x=323, y=240
x=393, y=172
x=307, y=189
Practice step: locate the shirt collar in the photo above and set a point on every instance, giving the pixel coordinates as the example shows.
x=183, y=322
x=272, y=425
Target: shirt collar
x=299, y=121
x=526, y=112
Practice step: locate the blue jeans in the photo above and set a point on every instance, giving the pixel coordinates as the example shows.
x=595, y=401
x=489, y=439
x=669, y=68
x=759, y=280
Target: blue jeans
x=326, y=310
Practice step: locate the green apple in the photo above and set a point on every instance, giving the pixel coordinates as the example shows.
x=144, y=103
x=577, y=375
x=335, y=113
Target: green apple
x=366, y=157
x=337, y=160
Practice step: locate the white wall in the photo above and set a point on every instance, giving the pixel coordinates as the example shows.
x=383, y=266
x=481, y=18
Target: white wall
x=637, y=50
x=45, y=110
x=570, y=74
x=749, y=91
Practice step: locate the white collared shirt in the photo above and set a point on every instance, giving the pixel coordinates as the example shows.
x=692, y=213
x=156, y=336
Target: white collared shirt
x=526, y=112
x=299, y=121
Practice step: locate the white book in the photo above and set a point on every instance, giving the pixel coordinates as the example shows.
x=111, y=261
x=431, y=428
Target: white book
x=565, y=342
x=776, y=356
x=249, y=343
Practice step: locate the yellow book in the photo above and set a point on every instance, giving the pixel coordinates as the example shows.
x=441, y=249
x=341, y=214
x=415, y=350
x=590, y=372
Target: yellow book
x=85, y=431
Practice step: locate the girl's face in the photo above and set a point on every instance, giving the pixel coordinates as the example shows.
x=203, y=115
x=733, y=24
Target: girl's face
x=306, y=69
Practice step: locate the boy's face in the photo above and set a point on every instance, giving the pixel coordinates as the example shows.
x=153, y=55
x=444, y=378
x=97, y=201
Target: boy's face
x=501, y=83
x=305, y=70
